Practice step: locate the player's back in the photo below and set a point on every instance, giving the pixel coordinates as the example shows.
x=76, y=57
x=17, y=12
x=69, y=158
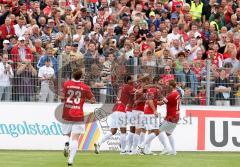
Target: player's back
x=173, y=106
x=127, y=93
x=75, y=95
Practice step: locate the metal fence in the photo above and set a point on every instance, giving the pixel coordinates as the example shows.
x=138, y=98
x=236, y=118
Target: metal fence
x=203, y=83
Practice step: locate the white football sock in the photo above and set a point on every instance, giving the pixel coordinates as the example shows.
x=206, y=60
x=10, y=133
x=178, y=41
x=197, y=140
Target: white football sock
x=73, y=150
x=148, y=139
x=172, y=143
x=163, y=139
x=136, y=139
x=66, y=139
x=105, y=138
x=123, y=141
x=129, y=141
x=142, y=138
x=147, y=148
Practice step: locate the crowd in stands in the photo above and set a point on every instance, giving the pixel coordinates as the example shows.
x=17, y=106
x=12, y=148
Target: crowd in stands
x=43, y=41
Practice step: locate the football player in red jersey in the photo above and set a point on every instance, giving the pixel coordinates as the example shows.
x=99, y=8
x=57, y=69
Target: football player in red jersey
x=138, y=113
x=172, y=102
x=151, y=121
x=118, y=119
x=75, y=94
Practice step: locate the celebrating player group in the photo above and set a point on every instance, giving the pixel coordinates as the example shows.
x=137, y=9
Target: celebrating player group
x=136, y=108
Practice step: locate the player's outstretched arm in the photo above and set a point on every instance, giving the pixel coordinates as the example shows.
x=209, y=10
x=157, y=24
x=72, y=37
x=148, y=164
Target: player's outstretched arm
x=148, y=86
x=152, y=85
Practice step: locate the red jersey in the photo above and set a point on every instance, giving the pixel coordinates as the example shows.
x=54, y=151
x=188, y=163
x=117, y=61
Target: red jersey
x=175, y=3
x=202, y=98
x=47, y=10
x=126, y=93
x=144, y=46
x=226, y=55
x=129, y=106
x=217, y=59
x=139, y=101
x=152, y=94
x=173, y=106
x=75, y=94
x=93, y=1
x=166, y=78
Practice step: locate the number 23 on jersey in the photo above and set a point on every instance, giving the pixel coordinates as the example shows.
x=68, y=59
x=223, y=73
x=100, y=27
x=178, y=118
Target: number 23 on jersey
x=73, y=97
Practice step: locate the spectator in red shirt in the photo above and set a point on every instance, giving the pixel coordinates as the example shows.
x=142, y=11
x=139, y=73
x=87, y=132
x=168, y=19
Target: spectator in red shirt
x=167, y=76
x=201, y=97
x=21, y=51
x=174, y=4
x=214, y=59
x=145, y=44
x=7, y=29
x=228, y=14
x=178, y=10
x=217, y=54
x=48, y=9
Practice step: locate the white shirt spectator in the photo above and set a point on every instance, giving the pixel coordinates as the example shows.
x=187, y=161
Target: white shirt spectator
x=81, y=41
x=129, y=54
x=235, y=63
x=165, y=40
x=5, y=76
x=193, y=55
x=195, y=35
x=19, y=31
x=45, y=72
x=174, y=51
x=172, y=36
x=99, y=36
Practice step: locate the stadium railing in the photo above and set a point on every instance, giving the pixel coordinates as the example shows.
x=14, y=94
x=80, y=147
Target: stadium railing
x=199, y=85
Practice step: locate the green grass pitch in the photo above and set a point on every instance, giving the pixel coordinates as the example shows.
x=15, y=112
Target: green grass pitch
x=113, y=159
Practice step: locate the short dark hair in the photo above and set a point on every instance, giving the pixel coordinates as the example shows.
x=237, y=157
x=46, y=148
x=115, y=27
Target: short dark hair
x=68, y=44
x=217, y=16
x=127, y=78
x=211, y=48
x=47, y=60
x=181, y=54
x=92, y=42
x=172, y=83
x=145, y=79
x=21, y=18
x=228, y=65
x=222, y=69
x=77, y=74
